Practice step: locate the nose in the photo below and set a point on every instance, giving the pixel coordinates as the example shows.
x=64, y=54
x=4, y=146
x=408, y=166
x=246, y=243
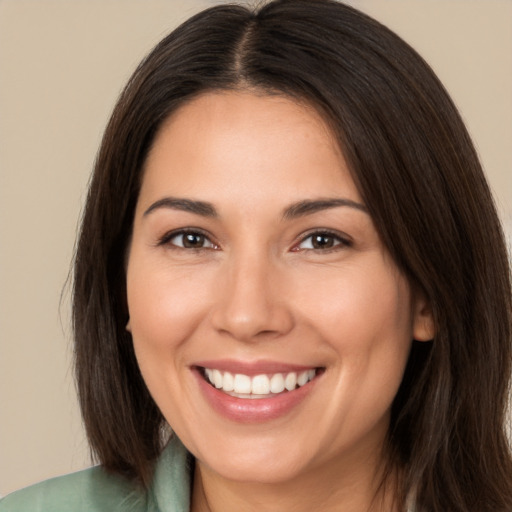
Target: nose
x=252, y=303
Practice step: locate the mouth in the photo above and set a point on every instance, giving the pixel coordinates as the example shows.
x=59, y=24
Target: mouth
x=257, y=391
x=261, y=386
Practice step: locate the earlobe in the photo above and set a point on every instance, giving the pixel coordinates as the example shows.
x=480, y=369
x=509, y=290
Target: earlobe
x=128, y=326
x=423, y=325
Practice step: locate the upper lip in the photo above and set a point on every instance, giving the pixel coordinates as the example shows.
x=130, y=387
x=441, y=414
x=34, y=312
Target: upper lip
x=252, y=368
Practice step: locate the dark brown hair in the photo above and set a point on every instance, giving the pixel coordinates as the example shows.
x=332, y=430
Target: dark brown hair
x=418, y=173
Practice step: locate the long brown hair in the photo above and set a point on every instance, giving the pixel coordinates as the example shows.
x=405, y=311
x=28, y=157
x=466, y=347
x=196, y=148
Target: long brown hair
x=417, y=171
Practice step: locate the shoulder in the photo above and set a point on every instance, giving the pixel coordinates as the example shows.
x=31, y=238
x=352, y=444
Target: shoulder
x=91, y=490
x=95, y=490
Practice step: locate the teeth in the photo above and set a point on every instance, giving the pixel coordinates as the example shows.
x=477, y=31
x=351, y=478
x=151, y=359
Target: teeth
x=291, y=381
x=217, y=379
x=228, y=382
x=260, y=385
x=302, y=378
x=277, y=383
x=243, y=386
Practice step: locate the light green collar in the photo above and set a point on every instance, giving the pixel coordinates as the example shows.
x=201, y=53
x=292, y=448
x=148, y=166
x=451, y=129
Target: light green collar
x=171, y=486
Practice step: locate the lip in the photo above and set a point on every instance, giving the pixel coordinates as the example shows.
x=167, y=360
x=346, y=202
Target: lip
x=258, y=410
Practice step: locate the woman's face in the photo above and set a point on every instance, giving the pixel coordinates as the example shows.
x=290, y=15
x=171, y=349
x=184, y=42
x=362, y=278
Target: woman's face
x=254, y=264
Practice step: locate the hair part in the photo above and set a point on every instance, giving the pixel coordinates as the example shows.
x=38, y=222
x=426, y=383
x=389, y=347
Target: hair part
x=418, y=173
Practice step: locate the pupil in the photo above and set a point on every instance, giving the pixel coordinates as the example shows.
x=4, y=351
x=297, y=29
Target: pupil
x=192, y=240
x=322, y=241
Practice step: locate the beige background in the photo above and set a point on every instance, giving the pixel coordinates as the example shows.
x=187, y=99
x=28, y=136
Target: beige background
x=62, y=64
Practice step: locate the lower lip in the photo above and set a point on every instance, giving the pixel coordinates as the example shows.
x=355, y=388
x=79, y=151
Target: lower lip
x=257, y=410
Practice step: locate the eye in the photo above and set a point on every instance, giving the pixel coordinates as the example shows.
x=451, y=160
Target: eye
x=188, y=239
x=322, y=241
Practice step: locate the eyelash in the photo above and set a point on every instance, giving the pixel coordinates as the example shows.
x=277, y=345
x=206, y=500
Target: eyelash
x=340, y=241
x=166, y=239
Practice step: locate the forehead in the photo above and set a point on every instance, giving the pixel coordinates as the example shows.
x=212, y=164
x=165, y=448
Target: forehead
x=242, y=143
x=236, y=104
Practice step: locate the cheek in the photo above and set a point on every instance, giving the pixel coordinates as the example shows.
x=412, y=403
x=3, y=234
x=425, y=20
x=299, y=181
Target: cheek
x=360, y=306
x=365, y=316
x=164, y=306
x=167, y=306
x=164, y=313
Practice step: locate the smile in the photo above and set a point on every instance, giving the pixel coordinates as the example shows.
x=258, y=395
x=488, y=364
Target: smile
x=261, y=386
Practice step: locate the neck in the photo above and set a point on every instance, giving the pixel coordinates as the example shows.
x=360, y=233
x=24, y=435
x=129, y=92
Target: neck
x=355, y=488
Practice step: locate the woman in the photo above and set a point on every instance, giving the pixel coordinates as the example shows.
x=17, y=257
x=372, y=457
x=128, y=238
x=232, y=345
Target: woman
x=290, y=257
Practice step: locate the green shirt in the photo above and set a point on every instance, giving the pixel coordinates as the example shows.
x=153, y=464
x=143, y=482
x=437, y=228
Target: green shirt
x=94, y=490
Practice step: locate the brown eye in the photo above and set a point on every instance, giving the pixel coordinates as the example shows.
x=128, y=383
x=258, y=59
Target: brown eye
x=191, y=240
x=322, y=241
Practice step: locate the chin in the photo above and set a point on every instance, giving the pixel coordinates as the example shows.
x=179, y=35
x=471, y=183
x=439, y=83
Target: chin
x=256, y=459
x=270, y=470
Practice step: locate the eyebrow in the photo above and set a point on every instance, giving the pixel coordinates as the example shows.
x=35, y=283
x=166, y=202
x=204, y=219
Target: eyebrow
x=186, y=205
x=310, y=206
x=295, y=210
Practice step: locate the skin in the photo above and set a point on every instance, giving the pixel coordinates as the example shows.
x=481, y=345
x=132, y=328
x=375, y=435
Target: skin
x=257, y=289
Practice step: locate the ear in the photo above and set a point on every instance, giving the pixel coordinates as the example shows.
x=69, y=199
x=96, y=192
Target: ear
x=128, y=326
x=423, y=327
